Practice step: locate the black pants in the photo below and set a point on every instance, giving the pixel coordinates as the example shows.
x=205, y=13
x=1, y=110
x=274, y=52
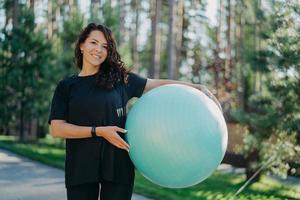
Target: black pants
x=108, y=191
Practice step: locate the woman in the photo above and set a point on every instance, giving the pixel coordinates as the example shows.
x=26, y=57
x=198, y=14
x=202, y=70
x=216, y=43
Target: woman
x=89, y=111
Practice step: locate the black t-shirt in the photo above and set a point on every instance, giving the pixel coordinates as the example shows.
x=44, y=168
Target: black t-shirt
x=79, y=101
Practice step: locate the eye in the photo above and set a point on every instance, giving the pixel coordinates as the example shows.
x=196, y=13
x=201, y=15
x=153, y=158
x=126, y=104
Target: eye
x=93, y=42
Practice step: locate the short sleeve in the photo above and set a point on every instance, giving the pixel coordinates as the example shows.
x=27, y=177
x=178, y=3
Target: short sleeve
x=135, y=86
x=59, y=104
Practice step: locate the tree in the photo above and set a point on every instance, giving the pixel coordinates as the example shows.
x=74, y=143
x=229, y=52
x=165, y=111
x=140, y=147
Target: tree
x=171, y=43
x=24, y=56
x=71, y=27
x=272, y=114
x=95, y=10
x=135, y=54
x=155, y=7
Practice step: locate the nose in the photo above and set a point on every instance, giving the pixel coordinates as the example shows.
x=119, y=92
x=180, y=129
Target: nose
x=100, y=48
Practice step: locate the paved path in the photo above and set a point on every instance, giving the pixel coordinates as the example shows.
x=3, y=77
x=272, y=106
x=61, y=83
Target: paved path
x=24, y=179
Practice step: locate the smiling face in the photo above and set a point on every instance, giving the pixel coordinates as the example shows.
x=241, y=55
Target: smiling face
x=94, y=49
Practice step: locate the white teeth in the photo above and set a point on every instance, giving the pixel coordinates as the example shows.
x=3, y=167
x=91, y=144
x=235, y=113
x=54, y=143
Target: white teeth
x=95, y=56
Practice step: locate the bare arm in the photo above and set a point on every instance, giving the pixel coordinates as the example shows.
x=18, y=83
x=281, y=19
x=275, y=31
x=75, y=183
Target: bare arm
x=62, y=129
x=153, y=83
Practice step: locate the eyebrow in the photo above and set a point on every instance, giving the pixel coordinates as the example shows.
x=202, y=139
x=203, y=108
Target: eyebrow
x=98, y=41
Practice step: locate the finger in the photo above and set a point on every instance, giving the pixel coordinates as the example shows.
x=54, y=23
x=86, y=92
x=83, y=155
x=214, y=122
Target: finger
x=120, y=140
x=125, y=144
x=121, y=130
x=125, y=148
x=122, y=146
x=121, y=143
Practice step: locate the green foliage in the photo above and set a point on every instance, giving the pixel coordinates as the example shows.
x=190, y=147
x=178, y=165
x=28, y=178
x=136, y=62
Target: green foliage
x=285, y=61
x=145, y=55
x=111, y=19
x=258, y=60
x=71, y=28
x=280, y=149
x=273, y=117
x=126, y=54
x=24, y=61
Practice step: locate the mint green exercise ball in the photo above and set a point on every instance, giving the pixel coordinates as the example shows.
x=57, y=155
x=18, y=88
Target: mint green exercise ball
x=177, y=136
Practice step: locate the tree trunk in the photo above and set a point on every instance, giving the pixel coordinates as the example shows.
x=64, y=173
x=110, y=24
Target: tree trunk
x=9, y=6
x=22, y=105
x=95, y=9
x=56, y=18
x=228, y=62
x=256, y=41
x=71, y=5
x=122, y=14
x=179, y=35
x=31, y=5
x=171, y=44
x=15, y=13
x=218, y=63
x=239, y=57
x=50, y=19
x=252, y=157
x=135, y=54
x=196, y=68
x=259, y=87
x=154, y=69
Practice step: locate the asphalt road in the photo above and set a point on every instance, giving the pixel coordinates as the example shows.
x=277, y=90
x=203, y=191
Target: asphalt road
x=24, y=179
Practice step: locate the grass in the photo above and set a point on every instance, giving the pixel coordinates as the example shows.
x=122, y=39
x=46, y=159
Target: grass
x=219, y=186
x=41, y=151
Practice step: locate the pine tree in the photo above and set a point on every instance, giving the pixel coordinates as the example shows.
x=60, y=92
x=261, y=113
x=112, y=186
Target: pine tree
x=273, y=114
x=24, y=59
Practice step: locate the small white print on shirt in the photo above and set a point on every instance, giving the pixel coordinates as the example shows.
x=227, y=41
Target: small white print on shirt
x=121, y=111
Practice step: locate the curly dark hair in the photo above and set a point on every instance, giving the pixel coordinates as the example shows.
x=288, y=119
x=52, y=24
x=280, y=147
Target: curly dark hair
x=113, y=69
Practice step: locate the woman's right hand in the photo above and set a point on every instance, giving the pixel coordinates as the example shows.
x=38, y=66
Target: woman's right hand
x=111, y=135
